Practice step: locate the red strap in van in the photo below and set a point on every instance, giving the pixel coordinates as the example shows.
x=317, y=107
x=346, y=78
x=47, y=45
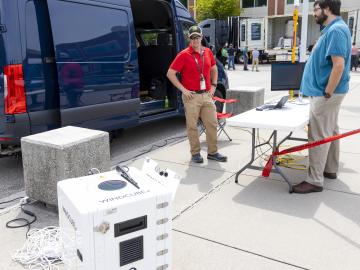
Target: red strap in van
x=14, y=89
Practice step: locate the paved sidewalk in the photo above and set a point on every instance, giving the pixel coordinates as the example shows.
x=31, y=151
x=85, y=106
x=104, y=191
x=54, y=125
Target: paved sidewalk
x=255, y=224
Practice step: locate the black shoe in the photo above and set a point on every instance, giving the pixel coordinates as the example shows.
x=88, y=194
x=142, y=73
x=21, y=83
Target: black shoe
x=330, y=175
x=197, y=158
x=217, y=157
x=305, y=187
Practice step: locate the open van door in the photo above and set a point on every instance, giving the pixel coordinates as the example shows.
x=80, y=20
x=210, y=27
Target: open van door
x=96, y=60
x=158, y=38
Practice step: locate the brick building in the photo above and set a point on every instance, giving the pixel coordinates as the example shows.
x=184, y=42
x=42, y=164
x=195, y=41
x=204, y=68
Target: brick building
x=262, y=8
x=190, y=4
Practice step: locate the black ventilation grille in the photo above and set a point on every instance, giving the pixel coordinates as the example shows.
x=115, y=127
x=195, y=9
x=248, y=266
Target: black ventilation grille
x=131, y=250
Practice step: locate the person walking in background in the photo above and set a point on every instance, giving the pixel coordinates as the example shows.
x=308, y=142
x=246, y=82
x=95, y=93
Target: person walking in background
x=354, y=57
x=224, y=54
x=197, y=67
x=245, y=56
x=255, y=59
x=326, y=81
x=231, y=57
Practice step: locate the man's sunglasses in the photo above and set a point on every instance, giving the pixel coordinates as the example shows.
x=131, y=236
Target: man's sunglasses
x=196, y=37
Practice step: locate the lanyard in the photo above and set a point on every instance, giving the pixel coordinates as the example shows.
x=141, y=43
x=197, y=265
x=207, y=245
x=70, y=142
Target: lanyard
x=197, y=64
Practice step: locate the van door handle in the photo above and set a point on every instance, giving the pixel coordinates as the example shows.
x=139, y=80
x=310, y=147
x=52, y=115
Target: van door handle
x=129, y=67
x=49, y=60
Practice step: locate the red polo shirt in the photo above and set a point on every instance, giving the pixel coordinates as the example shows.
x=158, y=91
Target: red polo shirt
x=185, y=64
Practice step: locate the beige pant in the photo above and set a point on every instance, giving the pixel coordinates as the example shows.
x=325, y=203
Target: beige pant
x=201, y=105
x=323, y=123
x=255, y=63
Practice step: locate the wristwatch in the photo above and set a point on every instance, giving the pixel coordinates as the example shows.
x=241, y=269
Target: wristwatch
x=214, y=84
x=327, y=95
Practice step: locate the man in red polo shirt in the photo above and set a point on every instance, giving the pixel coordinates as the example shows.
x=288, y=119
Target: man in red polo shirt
x=197, y=67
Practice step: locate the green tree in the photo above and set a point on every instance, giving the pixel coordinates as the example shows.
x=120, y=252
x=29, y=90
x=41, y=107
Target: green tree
x=216, y=9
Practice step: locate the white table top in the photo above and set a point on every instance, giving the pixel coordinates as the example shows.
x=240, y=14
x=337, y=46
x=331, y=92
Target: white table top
x=290, y=118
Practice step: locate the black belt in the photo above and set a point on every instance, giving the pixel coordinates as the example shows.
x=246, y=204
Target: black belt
x=198, y=91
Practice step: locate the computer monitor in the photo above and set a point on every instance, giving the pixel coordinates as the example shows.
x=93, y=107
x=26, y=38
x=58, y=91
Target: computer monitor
x=286, y=76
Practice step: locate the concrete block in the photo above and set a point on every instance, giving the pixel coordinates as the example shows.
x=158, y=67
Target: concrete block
x=249, y=97
x=59, y=154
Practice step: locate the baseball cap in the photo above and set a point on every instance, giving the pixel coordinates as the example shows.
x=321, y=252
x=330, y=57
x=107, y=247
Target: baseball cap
x=195, y=31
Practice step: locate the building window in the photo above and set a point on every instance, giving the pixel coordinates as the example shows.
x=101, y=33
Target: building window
x=291, y=2
x=260, y=3
x=254, y=3
x=184, y=2
x=247, y=3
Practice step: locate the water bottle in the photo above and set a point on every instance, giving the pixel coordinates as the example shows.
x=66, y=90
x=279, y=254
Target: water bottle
x=300, y=97
x=166, y=103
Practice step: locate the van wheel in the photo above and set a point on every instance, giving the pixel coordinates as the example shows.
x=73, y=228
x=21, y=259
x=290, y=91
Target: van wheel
x=115, y=134
x=219, y=105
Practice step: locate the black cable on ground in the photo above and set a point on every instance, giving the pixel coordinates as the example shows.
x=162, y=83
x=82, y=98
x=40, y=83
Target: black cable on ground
x=27, y=223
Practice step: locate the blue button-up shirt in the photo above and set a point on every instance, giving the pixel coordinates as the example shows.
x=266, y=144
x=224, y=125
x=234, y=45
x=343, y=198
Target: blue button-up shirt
x=335, y=40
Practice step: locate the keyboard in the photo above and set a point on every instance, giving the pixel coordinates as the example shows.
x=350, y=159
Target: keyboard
x=266, y=107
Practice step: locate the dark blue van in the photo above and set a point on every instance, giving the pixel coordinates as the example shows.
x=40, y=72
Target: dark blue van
x=98, y=64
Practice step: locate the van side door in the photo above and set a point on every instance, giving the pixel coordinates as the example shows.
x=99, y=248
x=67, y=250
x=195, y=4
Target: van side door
x=96, y=59
x=40, y=74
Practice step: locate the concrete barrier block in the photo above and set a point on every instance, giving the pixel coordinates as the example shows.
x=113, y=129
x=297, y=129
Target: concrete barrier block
x=59, y=154
x=249, y=97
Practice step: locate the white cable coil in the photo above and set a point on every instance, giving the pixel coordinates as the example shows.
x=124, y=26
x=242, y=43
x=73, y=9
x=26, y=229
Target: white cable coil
x=42, y=249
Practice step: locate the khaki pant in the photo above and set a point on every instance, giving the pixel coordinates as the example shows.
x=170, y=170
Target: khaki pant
x=255, y=63
x=201, y=105
x=323, y=123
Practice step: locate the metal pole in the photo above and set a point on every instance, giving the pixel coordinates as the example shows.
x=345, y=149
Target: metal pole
x=293, y=54
x=304, y=30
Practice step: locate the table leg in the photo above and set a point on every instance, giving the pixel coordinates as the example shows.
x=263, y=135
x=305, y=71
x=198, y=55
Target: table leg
x=253, y=146
x=277, y=168
x=275, y=146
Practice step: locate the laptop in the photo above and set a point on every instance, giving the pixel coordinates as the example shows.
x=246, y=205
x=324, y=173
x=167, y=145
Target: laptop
x=278, y=105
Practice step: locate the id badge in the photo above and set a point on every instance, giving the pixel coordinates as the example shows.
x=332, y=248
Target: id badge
x=202, y=84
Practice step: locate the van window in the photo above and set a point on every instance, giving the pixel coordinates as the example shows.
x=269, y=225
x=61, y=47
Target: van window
x=101, y=35
x=186, y=26
x=40, y=75
x=243, y=32
x=33, y=52
x=156, y=38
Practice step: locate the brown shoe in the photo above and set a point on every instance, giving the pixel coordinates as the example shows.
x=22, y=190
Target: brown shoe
x=330, y=175
x=305, y=187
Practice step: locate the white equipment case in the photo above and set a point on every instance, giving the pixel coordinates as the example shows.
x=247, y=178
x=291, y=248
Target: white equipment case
x=108, y=223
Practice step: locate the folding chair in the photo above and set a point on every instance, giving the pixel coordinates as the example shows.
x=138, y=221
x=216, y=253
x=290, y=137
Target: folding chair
x=221, y=117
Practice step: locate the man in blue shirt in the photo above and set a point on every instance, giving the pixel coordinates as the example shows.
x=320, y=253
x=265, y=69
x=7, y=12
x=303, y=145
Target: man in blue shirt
x=245, y=54
x=326, y=81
